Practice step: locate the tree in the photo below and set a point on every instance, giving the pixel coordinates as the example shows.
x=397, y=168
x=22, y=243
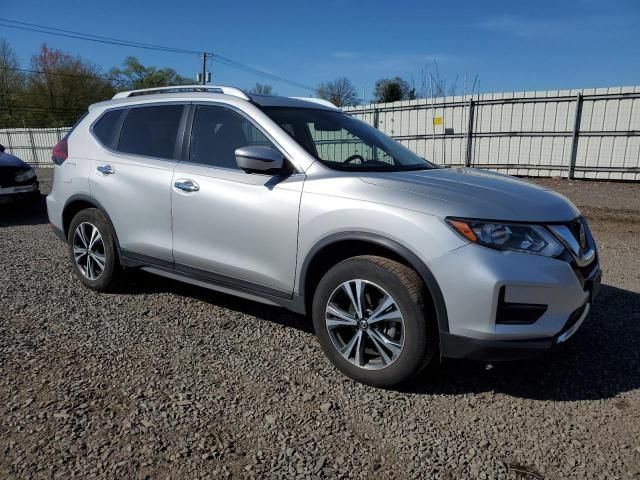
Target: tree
x=340, y=92
x=433, y=85
x=393, y=90
x=136, y=76
x=262, y=89
x=12, y=84
x=62, y=87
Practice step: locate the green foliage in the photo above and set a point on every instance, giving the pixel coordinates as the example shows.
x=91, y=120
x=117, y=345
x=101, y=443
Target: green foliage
x=58, y=87
x=135, y=75
x=392, y=90
x=64, y=91
x=12, y=83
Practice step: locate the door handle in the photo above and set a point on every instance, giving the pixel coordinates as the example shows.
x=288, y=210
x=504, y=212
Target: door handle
x=186, y=185
x=105, y=170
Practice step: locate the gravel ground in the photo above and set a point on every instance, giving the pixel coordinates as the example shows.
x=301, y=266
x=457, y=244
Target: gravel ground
x=171, y=381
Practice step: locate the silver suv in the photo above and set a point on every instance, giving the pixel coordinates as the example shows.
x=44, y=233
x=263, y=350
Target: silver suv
x=292, y=202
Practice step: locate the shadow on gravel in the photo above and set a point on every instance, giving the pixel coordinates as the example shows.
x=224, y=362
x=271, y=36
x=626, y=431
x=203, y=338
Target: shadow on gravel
x=24, y=212
x=600, y=361
x=144, y=283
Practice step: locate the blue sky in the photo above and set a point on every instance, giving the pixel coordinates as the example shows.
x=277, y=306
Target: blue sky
x=511, y=45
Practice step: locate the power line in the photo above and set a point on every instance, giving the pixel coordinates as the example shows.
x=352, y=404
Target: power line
x=232, y=63
x=47, y=109
x=62, y=74
x=149, y=46
x=21, y=94
x=32, y=27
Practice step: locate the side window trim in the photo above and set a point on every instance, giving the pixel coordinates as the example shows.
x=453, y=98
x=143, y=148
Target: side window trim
x=118, y=130
x=186, y=148
x=183, y=127
x=186, y=134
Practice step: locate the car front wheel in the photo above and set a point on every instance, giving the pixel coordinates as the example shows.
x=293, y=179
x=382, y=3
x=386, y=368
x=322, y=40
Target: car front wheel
x=369, y=316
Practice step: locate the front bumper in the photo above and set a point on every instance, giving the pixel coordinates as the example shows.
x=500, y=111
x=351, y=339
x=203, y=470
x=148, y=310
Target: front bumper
x=17, y=191
x=475, y=280
x=456, y=346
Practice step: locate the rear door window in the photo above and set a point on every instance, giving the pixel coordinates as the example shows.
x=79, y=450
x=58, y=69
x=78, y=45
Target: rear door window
x=151, y=131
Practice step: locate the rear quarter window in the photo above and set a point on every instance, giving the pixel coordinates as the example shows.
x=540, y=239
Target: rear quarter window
x=105, y=129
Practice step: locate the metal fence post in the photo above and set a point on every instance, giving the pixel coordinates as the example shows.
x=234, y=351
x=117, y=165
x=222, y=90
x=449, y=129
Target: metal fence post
x=467, y=160
x=575, y=137
x=9, y=140
x=376, y=121
x=34, y=151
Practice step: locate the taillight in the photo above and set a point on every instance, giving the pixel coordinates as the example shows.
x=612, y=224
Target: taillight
x=60, y=152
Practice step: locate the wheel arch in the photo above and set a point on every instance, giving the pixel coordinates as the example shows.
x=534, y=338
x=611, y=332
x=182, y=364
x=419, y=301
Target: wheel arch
x=77, y=203
x=340, y=246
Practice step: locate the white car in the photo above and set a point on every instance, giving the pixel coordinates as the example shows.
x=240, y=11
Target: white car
x=293, y=202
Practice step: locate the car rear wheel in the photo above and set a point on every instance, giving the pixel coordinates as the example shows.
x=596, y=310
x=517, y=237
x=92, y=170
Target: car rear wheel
x=369, y=316
x=92, y=250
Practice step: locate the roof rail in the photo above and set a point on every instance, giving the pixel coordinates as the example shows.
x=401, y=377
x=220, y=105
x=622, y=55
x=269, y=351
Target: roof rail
x=236, y=92
x=320, y=101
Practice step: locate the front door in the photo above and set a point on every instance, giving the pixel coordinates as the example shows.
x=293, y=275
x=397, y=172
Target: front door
x=233, y=227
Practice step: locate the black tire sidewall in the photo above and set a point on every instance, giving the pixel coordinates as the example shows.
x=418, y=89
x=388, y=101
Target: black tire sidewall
x=109, y=274
x=417, y=348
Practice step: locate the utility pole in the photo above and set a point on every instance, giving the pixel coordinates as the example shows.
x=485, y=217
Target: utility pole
x=204, y=68
x=204, y=77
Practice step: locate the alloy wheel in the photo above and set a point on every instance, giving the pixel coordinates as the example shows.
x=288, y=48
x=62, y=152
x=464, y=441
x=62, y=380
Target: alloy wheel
x=365, y=324
x=88, y=251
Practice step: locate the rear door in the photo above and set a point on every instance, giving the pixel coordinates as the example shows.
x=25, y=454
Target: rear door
x=132, y=178
x=234, y=227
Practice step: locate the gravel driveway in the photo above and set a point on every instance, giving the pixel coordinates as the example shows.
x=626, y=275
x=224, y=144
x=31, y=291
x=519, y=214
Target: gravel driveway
x=171, y=381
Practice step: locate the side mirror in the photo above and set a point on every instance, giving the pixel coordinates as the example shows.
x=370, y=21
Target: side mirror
x=259, y=159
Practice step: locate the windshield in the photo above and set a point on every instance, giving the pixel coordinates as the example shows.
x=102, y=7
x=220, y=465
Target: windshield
x=342, y=142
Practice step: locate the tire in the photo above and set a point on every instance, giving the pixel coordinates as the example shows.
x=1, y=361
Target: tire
x=98, y=278
x=412, y=330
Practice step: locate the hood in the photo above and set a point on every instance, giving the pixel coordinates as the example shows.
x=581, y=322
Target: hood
x=480, y=194
x=8, y=160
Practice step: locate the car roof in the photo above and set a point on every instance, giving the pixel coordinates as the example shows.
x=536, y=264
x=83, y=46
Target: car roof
x=217, y=92
x=293, y=102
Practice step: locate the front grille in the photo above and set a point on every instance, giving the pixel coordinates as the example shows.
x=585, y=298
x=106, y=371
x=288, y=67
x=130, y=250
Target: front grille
x=583, y=272
x=574, y=226
x=588, y=270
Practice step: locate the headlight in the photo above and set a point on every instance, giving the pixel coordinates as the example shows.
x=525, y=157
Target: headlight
x=25, y=175
x=534, y=239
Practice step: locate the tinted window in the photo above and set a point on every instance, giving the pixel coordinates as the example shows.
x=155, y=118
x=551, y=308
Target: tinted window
x=151, y=131
x=105, y=128
x=216, y=134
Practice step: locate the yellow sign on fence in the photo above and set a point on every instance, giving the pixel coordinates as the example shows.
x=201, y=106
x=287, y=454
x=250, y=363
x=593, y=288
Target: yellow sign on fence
x=437, y=120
